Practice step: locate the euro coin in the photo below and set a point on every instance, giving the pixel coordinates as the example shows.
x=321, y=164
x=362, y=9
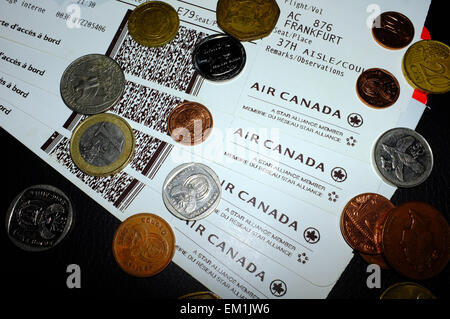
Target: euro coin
x=153, y=24
x=247, y=20
x=92, y=84
x=143, y=245
x=416, y=240
x=393, y=30
x=377, y=88
x=407, y=290
x=39, y=218
x=102, y=145
x=426, y=66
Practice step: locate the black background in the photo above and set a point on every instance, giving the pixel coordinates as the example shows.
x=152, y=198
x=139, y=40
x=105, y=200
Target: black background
x=43, y=275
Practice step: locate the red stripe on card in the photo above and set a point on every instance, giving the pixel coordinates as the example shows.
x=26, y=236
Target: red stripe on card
x=425, y=34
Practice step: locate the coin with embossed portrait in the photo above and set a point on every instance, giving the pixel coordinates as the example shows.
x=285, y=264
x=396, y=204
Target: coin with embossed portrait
x=377, y=88
x=403, y=158
x=39, y=218
x=92, y=84
x=102, y=144
x=143, y=245
x=191, y=191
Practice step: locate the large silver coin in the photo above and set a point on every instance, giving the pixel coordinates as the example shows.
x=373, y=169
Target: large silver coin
x=403, y=157
x=39, y=218
x=92, y=84
x=191, y=191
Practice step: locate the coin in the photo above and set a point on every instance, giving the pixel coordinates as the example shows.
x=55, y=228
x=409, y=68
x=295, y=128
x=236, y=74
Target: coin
x=190, y=123
x=377, y=88
x=200, y=295
x=407, y=290
x=416, y=240
x=102, y=144
x=403, y=157
x=153, y=24
x=393, y=30
x=143, y=245
x=426, y=66
x=219, y=57
x=92, y=84
x=247, y=20
x=39, y=218
x=375, y=259
x=362, y=222
x=191, y=191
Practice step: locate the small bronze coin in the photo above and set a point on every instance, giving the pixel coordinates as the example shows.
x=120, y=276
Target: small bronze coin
x=416, y=240
x=247, y=20
x=393, y=30
x=377, y=88
x=362, y=222
x=143, y=245
x=407, y=290
x=190, y=123
x=153, y=24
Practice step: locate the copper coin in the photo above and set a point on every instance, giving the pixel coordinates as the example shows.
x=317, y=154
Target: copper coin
x=143, y=245
x=377, y=88
x=190, y=123
x=361, y=222
x=375, y=259
x=393, y=30
x=416, y=240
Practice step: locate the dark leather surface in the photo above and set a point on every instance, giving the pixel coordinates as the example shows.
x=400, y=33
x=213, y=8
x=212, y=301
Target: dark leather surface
x=89, y=243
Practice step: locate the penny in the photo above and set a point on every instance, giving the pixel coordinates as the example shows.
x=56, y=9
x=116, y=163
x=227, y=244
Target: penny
x=143, y=245
x=403, y=158
x=416, y=240
x=153, y=24
x=407, y=290
x=361, y=222
x=92, y=84
x=426, y=66
x=39, y=218
x=200, y=295
x=375, y=259
x=219, y=57
x=377, y=88
x=190, y=123
x=102, y=145
x=191, y=191
x=247, y=20
x=393, y=30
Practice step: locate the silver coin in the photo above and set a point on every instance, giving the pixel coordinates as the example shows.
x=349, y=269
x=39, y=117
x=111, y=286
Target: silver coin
x=39, y=218
x=191, y=191
x=92, y=84
x=102, y=144
x=403, y=158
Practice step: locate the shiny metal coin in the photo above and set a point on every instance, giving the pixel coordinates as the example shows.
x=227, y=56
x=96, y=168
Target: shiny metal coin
x=92, y=84
x=403, y=157
x=191, y=191
x=407, y=290
x=219, y=57
x=39, y=218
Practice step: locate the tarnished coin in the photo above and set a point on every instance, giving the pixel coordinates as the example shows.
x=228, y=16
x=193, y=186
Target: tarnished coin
x=153, y=24
x=393, y=30
x=407, y=290
x=426, y=66
x=191, y=191
x=39, y=218
x=416, y=240
x=102, y=144
x=200, y=295
x=362, y=222
x=92, y=84
x=403, y=157
x=190, y=123
x=143, y=245
x=247, y=20
x=219, y=57
x=377, y=88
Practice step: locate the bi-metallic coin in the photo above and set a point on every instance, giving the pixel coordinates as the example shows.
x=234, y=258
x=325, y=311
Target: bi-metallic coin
x=393, y=30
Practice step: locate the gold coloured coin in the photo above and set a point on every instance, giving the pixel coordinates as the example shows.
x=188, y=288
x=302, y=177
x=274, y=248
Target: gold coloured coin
x=426, y=66
x=102, y=144
x=247, y=20
x=407, y=290
x=153, y=24
x=200, y=295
